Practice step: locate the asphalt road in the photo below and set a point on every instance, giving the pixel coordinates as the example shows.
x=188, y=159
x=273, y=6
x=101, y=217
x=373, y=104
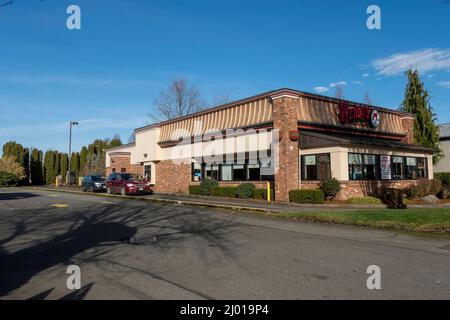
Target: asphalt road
x=187, y=252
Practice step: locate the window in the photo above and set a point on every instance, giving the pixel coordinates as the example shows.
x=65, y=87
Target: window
x=123, y=170
x=196, y=171
x=398, y=167
x=239, y=173
x=212, y=171
x=226, y=172
x=422, y=165
x=113, y=169
x=254, y=172
x=355, y=166
x=148, y=172
x=411, y=168
x=363, y=166
x=316, y=167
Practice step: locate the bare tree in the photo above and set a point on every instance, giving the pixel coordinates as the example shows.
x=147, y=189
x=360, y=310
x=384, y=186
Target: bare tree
x=178, y=99
x=367, y=99
x=223, y=97
x=339, y=92
x=132, y=138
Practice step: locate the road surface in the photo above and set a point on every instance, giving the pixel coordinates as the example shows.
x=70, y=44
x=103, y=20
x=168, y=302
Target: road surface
x=129, y=249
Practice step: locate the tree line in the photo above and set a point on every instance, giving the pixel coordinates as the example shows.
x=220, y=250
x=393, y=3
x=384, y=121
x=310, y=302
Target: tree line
x=19, y=166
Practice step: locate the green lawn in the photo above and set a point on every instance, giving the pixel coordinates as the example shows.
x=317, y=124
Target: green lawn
x=420, y=220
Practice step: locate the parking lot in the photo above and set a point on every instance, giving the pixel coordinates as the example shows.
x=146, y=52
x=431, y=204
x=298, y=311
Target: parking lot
x=128, y=249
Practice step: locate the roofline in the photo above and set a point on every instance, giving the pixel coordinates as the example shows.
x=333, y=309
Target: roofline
x=122, y=146
x=269, y=94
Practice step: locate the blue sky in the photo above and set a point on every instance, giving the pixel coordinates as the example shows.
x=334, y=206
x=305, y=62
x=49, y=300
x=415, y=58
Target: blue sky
x=107, y=74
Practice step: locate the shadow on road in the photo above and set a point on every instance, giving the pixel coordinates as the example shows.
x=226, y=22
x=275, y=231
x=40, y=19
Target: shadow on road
x=16, y=195
x=97, y=229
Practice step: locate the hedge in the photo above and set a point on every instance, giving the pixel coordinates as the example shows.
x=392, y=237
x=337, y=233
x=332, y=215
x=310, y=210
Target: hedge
x=194, y=189
x=230, y=192
x=261, y=194
x=307, y=196
x=444, y=177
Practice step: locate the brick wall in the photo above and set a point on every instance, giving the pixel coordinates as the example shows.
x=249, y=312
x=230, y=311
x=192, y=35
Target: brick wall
x=172, y=177
x=408, y=126
x=119, y=162
x=285, y=120
x=352, y=189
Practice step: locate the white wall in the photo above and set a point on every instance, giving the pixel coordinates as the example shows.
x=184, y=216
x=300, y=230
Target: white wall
x=444, y=164
x=146, y=143
x=117, y=149
x=339, y=158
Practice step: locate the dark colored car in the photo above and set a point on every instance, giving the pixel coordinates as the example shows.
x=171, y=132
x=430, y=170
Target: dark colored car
x=127, y=183
x=93, y=183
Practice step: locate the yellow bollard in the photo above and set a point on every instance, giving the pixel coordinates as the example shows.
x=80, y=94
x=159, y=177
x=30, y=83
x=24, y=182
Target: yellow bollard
x=268, y=191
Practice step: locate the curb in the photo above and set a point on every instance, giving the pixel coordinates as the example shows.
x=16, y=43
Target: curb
x=172, y=201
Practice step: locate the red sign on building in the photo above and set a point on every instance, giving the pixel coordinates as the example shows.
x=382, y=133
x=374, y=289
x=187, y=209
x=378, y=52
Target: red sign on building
x=348, y=114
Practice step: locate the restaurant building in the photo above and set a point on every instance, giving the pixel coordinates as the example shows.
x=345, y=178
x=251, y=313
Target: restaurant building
x=291, y=138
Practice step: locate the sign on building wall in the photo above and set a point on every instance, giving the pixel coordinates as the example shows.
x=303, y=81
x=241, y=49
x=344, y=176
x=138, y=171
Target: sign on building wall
x=348, y=114
x=385, y=163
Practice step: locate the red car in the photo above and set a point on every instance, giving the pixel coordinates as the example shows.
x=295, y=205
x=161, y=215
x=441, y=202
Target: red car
x=127, y=183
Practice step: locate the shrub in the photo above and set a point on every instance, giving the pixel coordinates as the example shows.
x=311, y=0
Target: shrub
x=10, y=165
x=423, y=188
x=229, y=192
x=306, y=196
x=393, y=198
x=8, y=179
x=364, y=200
x=261, y=194
x=435, y=186
x=412, y=192
x=245, y=190
x=444, y=177
x=207, y=185
x=194, y=189
x=330, y=187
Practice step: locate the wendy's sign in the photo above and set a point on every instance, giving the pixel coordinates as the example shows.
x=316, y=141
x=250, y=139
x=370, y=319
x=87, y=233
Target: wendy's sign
x=348, y=114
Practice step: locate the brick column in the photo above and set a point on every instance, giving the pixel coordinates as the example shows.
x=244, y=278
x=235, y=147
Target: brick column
x=408, y=128
x=285, y=119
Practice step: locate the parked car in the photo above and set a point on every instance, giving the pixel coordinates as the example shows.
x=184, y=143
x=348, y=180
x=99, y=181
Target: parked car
x=93, y=183
x=127, y=183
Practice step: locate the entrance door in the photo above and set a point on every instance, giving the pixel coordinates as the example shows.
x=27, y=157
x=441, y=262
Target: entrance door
x=148, y=172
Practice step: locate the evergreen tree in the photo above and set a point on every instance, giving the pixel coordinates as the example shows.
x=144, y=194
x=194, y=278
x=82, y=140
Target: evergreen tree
x=49, y=166
x=417, y=102
x=75, y=163
x=83, y=160
x=57, y=168
x=36, y=169
x=64, y=165
x=115, y=141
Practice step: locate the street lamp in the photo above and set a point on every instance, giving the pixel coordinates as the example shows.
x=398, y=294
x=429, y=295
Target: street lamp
x=72, y=123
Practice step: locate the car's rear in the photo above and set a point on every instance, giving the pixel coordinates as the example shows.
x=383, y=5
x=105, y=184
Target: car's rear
x=98, y=183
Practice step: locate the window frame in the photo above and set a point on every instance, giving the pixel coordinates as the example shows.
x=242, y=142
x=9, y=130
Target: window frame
x=303, y=166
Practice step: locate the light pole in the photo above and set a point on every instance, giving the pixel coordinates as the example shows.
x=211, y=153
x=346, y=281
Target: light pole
x=72, y=123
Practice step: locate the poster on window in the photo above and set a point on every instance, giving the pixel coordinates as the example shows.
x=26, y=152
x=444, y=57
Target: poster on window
x=310, y=160
x=385, y=163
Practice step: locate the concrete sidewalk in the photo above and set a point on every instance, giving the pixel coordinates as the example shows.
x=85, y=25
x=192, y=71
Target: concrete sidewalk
x=235, y=203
